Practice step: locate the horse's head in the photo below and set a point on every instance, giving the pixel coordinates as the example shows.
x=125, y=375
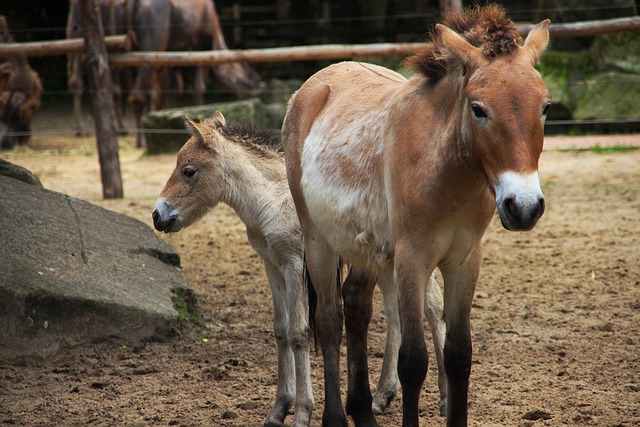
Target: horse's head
x=504, y=110
x=195, y=185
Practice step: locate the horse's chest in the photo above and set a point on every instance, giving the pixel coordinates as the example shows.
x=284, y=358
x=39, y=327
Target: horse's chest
x=344, y=189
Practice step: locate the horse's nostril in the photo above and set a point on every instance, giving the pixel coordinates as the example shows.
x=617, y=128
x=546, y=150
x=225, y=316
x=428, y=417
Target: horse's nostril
x=155, y=215
x=541, y=207
x=509, y=206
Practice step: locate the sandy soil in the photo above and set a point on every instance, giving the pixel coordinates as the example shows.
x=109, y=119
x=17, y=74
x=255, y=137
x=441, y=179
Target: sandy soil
x=556, y=319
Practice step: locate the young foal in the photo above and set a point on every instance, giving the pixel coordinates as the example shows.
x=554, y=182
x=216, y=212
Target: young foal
x=241, y=167
x=401, y=176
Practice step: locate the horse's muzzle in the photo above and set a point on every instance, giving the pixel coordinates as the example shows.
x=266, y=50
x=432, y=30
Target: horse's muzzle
x=170, y=224
x=517, y=217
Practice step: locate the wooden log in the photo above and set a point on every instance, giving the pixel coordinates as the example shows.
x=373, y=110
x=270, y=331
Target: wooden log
x=280, y=54
x=102, y=101
x=119, y=43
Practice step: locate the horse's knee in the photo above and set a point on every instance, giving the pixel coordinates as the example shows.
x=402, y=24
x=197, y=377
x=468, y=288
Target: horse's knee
x=413, y=361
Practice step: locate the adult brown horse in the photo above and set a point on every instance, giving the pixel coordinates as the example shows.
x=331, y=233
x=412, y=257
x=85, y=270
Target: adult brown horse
x=402, y=176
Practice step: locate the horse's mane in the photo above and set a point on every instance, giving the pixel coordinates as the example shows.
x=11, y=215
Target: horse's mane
x=253, y=138
x=484, y=27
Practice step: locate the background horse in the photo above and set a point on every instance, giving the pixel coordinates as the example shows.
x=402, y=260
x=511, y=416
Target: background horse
x=20, y=91
x=241, y=167
x=402, y=176
x=158, y=25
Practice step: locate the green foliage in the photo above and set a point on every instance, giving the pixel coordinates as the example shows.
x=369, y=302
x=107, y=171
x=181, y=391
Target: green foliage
x=614, y=149
x=186, y=305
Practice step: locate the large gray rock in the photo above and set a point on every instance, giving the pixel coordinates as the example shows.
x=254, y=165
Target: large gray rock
x=167, y=129
x=73, y=273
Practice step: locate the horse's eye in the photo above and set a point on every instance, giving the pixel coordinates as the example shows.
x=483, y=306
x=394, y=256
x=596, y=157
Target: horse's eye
x=478, y=111
x=546, y=108
x=188, y=172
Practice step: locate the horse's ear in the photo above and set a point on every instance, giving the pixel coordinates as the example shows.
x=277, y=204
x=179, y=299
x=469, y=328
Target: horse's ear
x=194, y=128
x=218, y=119
x=470, y=56
x=537, y=41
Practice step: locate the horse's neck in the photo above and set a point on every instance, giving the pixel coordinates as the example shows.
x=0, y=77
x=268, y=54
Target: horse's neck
x=446, y=142
x=252, y=187
x=453, y=138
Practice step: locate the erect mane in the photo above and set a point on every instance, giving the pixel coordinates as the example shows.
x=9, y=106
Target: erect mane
x=253, y=138
x=484, y=27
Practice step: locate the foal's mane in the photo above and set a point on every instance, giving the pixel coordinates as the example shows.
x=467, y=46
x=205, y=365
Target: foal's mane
x=484, y=27
x=259, y=141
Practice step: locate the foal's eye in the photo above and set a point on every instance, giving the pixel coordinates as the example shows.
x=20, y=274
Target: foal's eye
x=478, y=111
x=188, y=172
x=546, y=108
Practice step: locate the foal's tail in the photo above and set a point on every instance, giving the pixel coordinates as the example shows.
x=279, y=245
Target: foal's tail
x=312, y=297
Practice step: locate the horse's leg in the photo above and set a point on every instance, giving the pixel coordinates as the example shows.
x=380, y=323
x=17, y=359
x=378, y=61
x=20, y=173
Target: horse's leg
x=285, y=388
x=139, y=99
x=357, y=295
x=410, y=277
x=433, y=311
x=388, y=384
x=299, y=341
x=322, y=264
x=74, y=82
x=459, y=285
x=199, y=85
x=117, y=101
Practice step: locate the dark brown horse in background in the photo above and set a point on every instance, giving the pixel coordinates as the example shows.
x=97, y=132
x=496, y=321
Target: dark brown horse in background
x=20, y=91
x=162, y=25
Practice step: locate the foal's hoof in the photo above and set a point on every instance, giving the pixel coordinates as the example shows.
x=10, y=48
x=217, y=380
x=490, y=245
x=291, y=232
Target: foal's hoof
x=381, y=402
x=443, y=408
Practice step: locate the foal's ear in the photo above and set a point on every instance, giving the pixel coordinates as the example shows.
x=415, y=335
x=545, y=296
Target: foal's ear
x=196, y=129
x=537, y=41
x=470, y=56
x=218, y=119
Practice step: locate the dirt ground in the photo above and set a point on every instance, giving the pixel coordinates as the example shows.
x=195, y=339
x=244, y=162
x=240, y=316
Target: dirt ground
x=556, y=318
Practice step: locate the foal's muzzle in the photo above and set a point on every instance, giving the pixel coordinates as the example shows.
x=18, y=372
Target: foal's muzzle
x=170, y=224
x=165, y=218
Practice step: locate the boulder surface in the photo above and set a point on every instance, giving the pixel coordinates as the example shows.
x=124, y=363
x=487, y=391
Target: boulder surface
x=72, y=273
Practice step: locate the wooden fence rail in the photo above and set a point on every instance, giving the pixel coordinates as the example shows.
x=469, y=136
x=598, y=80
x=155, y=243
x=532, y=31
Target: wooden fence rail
x=60, y=47
x=296, y=53
x=317, y=52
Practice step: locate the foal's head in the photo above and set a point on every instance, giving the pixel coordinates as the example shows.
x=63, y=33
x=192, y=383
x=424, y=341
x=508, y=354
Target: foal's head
x=207, y=170
x=504, y=103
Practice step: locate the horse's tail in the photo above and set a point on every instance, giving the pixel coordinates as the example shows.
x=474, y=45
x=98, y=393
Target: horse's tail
x=312, y=297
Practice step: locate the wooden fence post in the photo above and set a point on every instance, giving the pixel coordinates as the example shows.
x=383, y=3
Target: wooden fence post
x=102, y=100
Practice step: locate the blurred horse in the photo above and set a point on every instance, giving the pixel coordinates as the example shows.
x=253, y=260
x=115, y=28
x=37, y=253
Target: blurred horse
x=20, y=91
x=158, y=25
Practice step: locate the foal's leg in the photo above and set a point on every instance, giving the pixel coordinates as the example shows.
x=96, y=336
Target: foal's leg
x=460, y=282
x=322, y=262
x=285, y=390
x=433, y=311
x=298, y=334
x=357, y=294
x=389, y=383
